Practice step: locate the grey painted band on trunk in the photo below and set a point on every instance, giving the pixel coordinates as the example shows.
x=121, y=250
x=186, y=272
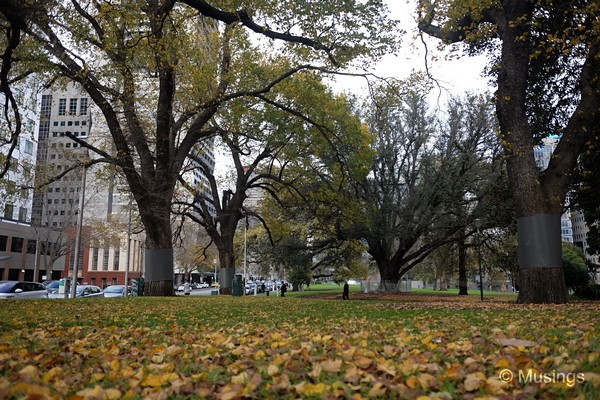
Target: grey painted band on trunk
x=540, y=241
x=156, y=261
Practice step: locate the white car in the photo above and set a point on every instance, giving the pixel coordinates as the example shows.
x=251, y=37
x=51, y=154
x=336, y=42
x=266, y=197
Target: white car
x=22, y=290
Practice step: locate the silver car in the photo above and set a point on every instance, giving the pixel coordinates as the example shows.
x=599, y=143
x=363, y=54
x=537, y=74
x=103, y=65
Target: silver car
x=116, y=291
x=82, y=291
x=22, y=290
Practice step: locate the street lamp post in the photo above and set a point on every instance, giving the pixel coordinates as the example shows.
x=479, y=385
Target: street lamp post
x=478, y=226
x=78, y=235
x=128, y=249
x=215, y=263
x=245, y=248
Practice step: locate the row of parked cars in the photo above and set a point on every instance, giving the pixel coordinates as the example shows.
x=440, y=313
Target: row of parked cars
x=195, y=285
x=49, y=289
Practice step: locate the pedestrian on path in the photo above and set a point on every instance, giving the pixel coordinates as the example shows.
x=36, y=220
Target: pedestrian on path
x=346, y=292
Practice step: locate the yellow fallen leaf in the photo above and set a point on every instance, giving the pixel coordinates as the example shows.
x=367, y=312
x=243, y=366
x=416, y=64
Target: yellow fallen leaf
x=54, y=373
x=515, y=342
x=363, y=362
x=310, y=389
x=92, y=393
x=115, y=365
x=153, y=381
x=412, y=382
x=454, y=371
x=240, y=379
x=473, y=381
x=377, y=390
x=98, y=376
x=494, y=385
x=383, y=366
x=331, y=366
x=35, y=391
x=273, y=370
x=28, y=372
x=426, y=380
x=592, y=378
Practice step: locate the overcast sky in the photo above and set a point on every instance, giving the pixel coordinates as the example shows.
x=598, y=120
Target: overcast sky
x=456, y=75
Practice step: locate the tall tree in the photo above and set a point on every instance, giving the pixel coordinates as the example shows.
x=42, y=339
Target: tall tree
x=547, y=69
x=161, y=70
x=271, y=147
x=428, y=179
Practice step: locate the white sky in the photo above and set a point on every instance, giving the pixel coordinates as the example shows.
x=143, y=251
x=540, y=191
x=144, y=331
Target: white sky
x=456, y=75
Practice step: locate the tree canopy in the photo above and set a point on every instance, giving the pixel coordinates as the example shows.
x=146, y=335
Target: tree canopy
x=544, y=57
x=160, y=72
x=428, y=179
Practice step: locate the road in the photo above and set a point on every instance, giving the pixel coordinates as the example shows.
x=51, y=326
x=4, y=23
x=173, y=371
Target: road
x=207, y=292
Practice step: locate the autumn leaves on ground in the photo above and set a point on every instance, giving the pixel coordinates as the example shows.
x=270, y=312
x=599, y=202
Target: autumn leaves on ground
x=391, y=347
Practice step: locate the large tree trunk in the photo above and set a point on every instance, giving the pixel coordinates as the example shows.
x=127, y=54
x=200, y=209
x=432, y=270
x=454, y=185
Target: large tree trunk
x=541, y=278
x=227, y=271
x=158, y=261
x=389, y=278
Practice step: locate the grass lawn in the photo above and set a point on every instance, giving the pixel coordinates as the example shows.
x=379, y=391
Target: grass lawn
x=403, y=346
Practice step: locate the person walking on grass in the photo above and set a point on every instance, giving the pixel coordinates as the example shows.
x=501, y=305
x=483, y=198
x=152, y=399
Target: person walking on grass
x=187, y=288
x=283, y=289
x=346, y=292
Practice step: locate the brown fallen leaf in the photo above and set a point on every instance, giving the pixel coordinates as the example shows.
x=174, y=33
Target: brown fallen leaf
x=515, y=342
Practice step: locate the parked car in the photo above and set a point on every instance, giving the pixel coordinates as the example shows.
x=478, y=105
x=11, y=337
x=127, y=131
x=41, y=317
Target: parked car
x=81, y=292
x=215, y=284
x=180, y=288
x=203, y=285
x=250, y=288
x=22, y=290
x=51, y=286
x=117, y=291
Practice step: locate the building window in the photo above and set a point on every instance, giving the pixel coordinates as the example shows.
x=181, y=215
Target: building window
x=16, y=246
x=83, y=106
x=22, y=213
x=62, y=106
x=95, y=259
x=105, y=259
x=3, y=241
x=116, y=259
x=8, y=211
x=72, y=106
x=46, y=106
x=28, y=146
x=31, y=246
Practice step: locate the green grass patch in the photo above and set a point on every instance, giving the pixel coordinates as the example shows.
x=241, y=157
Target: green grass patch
x=388, y=346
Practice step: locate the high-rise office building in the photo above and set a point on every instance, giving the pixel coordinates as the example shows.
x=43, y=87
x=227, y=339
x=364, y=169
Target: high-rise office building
x=67, y=113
